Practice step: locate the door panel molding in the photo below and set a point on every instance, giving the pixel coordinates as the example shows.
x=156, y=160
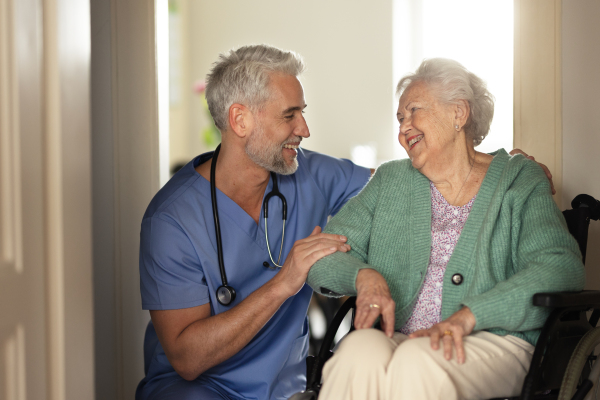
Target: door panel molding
x=14, y=365
x=11, y=248
x=54, y=216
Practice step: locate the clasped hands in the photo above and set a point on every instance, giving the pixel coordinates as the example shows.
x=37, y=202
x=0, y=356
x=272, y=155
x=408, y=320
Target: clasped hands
x=374, y=300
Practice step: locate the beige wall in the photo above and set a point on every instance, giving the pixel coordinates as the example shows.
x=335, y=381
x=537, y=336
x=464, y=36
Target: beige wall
x=537, y=84
x=581, y=114
x=347, y=46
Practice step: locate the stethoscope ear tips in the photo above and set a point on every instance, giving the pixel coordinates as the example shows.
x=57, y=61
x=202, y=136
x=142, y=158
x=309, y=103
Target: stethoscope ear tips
x=225, y=295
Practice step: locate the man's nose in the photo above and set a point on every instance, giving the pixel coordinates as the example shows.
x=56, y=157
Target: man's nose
x=302, y=129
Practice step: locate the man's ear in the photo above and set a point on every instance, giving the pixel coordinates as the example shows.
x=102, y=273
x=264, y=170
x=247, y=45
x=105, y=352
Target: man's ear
x=241, y=119
x=462, y=111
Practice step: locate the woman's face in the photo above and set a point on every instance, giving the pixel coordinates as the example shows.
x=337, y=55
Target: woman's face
x=426, y=125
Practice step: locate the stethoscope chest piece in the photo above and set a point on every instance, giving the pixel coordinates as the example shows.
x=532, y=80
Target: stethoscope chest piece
x=225, y=295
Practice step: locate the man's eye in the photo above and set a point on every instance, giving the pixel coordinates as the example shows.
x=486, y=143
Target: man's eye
x=289, y=116
x=400, y=120
x=413, y=109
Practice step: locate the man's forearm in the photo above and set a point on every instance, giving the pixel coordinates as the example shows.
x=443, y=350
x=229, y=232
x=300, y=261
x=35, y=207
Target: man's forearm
x=195, y=341
x=210, y=341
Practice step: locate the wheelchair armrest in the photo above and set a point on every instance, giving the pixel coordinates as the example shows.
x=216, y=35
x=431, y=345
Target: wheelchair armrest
x=583, y=299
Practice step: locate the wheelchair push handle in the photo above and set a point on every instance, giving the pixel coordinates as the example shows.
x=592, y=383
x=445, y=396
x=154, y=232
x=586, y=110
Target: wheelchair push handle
x=585, y=200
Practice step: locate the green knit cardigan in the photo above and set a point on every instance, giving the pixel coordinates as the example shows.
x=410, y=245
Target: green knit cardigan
x=514, y=244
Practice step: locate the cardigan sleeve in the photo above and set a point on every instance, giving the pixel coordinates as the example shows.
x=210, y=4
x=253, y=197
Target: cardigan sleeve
x=335, y=274
x=544, y=258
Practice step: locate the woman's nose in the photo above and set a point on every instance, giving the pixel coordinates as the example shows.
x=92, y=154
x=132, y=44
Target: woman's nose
x=405, y=127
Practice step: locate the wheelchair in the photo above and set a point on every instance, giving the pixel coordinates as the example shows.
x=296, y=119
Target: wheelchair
x=563, y=364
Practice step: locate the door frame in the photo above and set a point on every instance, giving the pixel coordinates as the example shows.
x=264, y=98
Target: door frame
x=126, y=175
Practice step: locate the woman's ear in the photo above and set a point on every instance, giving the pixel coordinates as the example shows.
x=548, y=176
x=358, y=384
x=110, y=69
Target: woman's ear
x=241, y=120
x=462, y=111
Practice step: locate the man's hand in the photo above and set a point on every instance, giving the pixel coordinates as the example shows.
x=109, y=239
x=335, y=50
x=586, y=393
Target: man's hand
x=451, y=331
x=194, y=340
x=374, y=299
x=304, y=254
x=546, y=170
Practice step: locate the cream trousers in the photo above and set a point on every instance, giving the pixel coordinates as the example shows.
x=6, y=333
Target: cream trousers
x=369, y=365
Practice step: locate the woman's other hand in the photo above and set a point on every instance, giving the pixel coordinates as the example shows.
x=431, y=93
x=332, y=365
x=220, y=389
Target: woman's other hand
x=546, y=170
x=450, y=331
x=374, y=299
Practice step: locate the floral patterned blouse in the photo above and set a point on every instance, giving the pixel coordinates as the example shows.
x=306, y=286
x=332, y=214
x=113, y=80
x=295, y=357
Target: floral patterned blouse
x=447, y=222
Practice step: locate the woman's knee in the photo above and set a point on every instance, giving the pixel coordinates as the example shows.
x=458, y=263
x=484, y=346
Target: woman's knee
x=414, y=356
x=365, y=348
x=415, y=372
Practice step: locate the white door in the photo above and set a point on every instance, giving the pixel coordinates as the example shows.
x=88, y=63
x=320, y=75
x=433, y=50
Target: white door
x=46, y=331
x=22, y=291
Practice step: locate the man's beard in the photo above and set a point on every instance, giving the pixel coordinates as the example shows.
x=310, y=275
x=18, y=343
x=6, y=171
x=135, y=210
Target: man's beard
x=268, y=155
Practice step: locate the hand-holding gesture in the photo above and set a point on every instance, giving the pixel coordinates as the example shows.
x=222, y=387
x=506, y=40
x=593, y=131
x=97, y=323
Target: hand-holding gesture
x=451, y=331
x=374, y=299
x=304, y=254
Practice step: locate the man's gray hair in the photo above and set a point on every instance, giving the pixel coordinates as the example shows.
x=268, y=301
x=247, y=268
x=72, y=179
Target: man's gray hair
x=242, y=76
x=452, y=82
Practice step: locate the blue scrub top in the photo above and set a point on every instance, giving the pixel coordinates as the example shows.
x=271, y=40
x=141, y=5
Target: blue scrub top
x=179, y=269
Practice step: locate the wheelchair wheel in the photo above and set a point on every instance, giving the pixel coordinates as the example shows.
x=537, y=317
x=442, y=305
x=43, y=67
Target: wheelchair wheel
x=577, y=364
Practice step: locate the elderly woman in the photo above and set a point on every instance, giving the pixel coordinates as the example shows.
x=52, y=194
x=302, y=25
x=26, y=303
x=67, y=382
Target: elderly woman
x=448, y=249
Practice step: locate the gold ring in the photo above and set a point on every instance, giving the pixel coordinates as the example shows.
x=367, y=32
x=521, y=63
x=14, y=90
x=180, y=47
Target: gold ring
x=374, y=306
x=447, y=333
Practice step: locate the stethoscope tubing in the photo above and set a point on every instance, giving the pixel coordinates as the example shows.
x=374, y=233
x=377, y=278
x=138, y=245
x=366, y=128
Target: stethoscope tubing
x=225, y=293
x=274, y=192
x=213, y=195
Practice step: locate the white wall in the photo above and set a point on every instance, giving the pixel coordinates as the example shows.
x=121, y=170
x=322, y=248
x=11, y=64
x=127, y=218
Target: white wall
x=581, y=114
x=347, y=47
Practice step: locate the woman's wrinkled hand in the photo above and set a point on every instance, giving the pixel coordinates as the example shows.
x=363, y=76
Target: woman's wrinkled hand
x=451, y=331
x=373, y=300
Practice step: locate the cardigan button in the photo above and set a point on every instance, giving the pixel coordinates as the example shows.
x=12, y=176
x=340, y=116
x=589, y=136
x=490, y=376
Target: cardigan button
x=457, y=279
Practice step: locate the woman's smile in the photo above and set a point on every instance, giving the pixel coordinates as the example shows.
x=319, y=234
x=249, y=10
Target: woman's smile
x=413, y=140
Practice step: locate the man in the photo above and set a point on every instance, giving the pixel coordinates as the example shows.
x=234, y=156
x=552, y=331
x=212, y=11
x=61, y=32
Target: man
x=196, y=347
x=255, y=347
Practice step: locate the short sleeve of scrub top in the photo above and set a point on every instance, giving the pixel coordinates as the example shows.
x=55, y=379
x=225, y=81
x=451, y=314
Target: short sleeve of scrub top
x=338, y=179
x=172, y=278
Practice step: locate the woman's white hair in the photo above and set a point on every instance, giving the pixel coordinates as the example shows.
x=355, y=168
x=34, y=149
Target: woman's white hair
x=242, y=76
x=452, y=82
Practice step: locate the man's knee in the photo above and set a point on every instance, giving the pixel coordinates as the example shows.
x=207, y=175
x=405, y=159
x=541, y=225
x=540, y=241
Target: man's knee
x=180, y=389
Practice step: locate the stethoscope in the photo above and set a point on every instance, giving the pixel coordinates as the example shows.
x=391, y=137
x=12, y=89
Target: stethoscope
x=226, y=293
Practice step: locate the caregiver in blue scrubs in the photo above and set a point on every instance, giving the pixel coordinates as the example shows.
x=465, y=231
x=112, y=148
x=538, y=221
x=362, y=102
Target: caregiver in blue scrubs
x=253, y=348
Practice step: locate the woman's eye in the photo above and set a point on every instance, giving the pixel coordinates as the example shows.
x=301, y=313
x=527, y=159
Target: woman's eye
x=400, y=120
x=413, y=109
